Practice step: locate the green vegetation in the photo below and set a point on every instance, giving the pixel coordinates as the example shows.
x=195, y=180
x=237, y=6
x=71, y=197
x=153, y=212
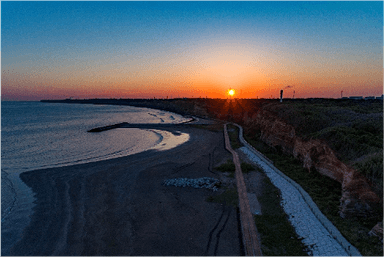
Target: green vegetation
x=326, y=193
x=371, y=166
x=229, y=166
x=353, y=129
x=351, y=142
x=233, y=133
x=246, y=167
x=278, y=237
x=228, y=197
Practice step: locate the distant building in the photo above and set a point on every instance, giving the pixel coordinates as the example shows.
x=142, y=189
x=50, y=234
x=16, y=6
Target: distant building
x=344, y=98
x=356, y=97
x=369, y=97
x=382, y=96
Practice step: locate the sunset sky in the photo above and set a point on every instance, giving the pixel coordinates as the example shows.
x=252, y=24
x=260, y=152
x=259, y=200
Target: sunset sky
x=56, y=50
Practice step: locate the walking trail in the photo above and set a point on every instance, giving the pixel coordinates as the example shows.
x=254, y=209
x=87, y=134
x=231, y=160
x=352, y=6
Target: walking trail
x=250, y=238
x=318, y=233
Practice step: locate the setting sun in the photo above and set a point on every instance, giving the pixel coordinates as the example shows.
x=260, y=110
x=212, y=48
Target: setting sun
x=231, y=92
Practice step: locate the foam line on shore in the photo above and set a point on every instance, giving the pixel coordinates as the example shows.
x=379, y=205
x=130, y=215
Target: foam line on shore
x=168, y=139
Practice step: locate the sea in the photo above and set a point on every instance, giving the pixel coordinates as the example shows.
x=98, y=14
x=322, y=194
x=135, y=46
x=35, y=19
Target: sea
x=37, y=135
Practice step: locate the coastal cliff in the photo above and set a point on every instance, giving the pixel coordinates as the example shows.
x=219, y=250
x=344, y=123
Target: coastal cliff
x=358, y=199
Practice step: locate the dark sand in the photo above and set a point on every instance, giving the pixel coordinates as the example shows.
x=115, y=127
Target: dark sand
x=120, y=207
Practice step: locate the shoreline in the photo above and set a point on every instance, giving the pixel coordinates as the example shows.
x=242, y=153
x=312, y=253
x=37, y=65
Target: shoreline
x=119, y=206
x=15, y=221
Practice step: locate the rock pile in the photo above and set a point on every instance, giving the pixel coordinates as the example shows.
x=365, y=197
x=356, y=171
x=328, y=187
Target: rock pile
x=203, y=182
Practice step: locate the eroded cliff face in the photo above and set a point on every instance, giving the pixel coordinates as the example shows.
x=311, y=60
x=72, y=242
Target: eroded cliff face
x=377, y=231
x=358, y=199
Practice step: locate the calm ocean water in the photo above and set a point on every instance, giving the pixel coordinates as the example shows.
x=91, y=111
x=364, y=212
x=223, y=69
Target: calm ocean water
x=38, y=135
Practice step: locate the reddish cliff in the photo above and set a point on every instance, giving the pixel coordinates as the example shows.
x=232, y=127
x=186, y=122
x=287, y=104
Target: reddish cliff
x=357, y=196
x=377, y=231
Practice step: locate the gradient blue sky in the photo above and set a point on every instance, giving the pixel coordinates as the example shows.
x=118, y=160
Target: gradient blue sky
x=185, y=49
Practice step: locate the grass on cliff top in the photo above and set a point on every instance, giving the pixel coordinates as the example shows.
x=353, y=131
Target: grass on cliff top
x=229, y=166
x=278, y=236
x=353, y=129
x=233, y=133
x=229, y=197
x=326, y=193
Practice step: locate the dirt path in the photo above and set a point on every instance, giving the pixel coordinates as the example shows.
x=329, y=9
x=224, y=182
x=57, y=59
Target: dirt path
x=250, y=235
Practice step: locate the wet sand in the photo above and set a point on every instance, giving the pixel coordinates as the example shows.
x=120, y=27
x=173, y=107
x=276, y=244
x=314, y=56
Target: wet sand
x=120, y=207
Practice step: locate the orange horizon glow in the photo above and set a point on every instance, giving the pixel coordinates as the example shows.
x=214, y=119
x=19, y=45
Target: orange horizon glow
x=231, y=92
x=209, y=78
x=34, y=85
x=213, y=70
x=108, y=53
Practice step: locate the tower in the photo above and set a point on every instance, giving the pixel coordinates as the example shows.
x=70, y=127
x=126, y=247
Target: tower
x=281, y=96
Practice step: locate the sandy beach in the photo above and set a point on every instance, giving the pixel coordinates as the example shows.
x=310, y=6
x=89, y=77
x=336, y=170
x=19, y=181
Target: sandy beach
x=120, y=207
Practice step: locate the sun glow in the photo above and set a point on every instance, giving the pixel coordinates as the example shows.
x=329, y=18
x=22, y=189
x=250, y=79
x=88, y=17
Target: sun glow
x=231, y=92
